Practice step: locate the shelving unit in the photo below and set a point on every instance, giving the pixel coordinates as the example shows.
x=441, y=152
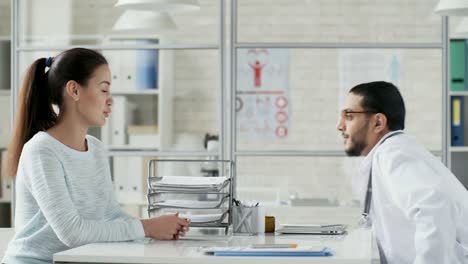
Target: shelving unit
x=458, y=154
x=6, y=187
x=147, y=111
x=460, y=149
x=458, y=93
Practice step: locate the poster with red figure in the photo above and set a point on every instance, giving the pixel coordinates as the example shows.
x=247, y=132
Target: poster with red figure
x=262, y=94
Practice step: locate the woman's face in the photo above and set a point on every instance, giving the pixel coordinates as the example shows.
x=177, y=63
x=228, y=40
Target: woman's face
x=95, y=99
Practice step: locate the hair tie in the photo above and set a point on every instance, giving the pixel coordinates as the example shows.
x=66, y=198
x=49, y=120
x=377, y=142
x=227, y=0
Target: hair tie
x=48, y=62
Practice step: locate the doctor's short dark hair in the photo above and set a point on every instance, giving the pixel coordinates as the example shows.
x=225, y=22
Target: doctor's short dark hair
x=383, y=97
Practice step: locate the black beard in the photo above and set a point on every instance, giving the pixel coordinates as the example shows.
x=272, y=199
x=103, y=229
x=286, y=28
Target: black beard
x=359, y=143
x=357, y=149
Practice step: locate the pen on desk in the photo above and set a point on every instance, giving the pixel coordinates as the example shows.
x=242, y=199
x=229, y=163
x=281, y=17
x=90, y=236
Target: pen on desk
x=294, y=245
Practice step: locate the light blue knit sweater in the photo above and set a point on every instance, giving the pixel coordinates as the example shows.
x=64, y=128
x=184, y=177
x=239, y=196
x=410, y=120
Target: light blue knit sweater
x=64, y=199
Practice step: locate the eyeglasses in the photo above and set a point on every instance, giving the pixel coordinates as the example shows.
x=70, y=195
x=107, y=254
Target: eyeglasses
x=344, y=113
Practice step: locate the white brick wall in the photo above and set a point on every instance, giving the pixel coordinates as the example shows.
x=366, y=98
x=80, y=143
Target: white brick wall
x=338, y=20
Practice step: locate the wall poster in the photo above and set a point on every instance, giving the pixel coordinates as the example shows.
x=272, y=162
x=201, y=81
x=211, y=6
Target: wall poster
x=262, y=95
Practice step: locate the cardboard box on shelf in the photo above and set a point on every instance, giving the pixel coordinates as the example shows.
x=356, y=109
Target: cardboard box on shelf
x=144, y=136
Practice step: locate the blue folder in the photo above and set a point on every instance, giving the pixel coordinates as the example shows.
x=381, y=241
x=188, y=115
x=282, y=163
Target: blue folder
x=457, y=121
x=326, y=252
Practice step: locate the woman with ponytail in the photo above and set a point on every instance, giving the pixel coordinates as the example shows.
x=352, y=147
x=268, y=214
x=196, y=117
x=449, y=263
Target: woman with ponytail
x=64, y=193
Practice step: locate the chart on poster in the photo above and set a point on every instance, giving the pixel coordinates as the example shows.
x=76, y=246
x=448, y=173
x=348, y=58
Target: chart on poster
x=262, y=95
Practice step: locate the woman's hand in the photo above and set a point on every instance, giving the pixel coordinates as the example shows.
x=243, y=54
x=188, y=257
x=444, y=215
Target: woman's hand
x=166, y=227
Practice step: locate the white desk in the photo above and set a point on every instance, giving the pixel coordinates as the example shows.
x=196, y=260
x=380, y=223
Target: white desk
x=356, y=247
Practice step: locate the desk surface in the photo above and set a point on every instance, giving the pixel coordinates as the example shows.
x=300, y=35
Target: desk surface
x=352, y=248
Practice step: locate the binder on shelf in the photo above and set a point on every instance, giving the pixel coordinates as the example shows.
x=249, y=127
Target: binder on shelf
x=6, y=182
x=457, y=65
x=114, y=62
x=4, y=120
x=119, y=171
x=466, y=67
x=133, y=70
x=147, y=66
x=117, y=121
x=457, y=123
x=128, y=173
x=1, y=174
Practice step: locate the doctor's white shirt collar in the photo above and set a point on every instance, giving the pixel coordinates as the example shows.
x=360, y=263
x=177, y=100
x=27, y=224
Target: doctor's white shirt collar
x=368, y=159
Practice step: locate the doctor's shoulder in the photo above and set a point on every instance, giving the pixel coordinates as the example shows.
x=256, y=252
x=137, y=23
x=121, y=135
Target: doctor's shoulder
x=401, y=143
x=392, y=153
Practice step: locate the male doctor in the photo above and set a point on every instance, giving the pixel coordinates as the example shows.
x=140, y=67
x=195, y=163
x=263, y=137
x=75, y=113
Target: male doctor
x=417, y=208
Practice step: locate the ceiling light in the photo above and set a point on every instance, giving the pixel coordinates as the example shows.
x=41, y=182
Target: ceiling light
x=452, y=8
x=137, y=21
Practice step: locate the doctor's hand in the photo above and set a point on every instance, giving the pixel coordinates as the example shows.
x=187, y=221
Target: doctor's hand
x=166, y=227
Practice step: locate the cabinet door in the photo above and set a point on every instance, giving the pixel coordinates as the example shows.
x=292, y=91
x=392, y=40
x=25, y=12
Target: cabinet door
x=129, y=180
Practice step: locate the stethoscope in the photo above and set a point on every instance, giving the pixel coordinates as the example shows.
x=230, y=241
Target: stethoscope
x=365, y=220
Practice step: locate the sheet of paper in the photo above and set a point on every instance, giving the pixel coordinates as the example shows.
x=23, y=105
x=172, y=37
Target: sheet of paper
x=202, y=218
x=190, y=181
x=189, y=204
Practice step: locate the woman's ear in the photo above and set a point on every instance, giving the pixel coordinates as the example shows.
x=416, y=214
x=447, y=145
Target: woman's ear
x=72, y=90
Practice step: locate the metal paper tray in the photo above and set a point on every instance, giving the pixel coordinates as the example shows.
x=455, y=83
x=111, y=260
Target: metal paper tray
x=152, y=183
x=155, y=201
x=216, y=216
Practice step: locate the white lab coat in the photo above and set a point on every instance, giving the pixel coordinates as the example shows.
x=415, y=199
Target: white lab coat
x=419, y=209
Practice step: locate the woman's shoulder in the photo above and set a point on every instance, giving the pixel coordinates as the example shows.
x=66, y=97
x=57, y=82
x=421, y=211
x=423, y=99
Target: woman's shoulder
x=41, y=141
x=96, y=143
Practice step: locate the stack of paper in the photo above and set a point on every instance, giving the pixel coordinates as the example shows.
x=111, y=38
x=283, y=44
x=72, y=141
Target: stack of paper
x=188, y=183
x=332, y=229
x=203, y=218
x=189, y=204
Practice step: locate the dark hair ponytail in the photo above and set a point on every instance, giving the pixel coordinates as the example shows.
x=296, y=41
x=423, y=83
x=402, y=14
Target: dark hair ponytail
x=41, y=90
x=34, y=112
